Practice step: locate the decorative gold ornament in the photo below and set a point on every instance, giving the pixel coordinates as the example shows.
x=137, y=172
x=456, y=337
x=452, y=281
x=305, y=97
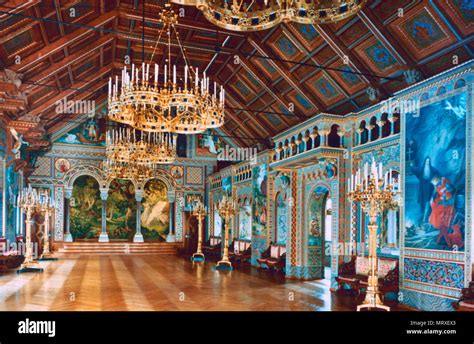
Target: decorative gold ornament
x=124, y=170
x=375, y=194
x=227, y=208
x=123, y=145
x=200, y=211
x=255, y=15
x=187, y=105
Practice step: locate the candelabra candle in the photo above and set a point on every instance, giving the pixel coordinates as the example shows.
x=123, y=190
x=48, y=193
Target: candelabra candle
x=375, y=193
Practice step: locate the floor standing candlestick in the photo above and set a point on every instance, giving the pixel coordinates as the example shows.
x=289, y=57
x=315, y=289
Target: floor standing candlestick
x=48, y=208
x=375, y=194
x=226, y=208
x=29, y=202
x=200, y=211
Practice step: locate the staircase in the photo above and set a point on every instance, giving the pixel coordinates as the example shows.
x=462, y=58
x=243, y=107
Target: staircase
x=119, y=248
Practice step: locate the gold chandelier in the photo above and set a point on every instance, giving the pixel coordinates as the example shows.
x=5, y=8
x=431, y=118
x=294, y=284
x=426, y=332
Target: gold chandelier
x=124, y=146
x=126, y=170
x=186, y=105
x=254, y=15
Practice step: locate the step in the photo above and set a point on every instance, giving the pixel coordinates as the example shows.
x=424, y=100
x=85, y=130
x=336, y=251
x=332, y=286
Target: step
x=160, y=248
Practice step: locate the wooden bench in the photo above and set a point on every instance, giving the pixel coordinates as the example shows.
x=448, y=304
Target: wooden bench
x=212, y=247
x=355, y=274
x=274, y=258
x=466, y=302
x=241, y=251
x=11, y=260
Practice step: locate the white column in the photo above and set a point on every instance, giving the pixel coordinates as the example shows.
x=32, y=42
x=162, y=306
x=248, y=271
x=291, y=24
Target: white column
x=67, y=214
x=171, y=199
x=104, y=194
x=138, y=237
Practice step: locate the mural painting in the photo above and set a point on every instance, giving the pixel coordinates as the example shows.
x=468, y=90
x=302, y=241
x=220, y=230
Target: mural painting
x=259, y=185
x=316, y=210
x=92, y=132
x=245, y=221
x=435, y=183
x=281, y=219
x=155, y=217
x=121, y=210
x=86, y=209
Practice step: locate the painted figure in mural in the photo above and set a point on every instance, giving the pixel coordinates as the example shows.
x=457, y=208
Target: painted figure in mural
x=425, y=175
x=91, y=128
x=260, y=178
x=442, y=208
x=155, y=218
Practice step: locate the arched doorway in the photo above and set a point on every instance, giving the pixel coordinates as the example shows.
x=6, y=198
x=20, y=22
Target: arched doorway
x=121, y=210
x=319, y=221
x=155, y=216
x=85, y=209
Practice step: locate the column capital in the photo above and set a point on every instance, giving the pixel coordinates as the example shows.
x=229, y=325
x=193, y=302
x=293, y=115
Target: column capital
x=104, y=194
x=171, y=196
x=139, y=195
x=67, y=192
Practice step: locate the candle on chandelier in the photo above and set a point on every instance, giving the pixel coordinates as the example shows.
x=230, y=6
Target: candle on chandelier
x=197, y=77
x=133, y=71
x=166, y=75
x=174, y=74
x=156, y=74
x=186, y=76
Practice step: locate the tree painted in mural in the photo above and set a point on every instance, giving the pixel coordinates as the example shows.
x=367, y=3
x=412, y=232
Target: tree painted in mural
x=281, y=219
x=245, y=220
x=121, y=210
x=155, y=217
x=435, y=182
x=316, y=210
x=259, y=221
x=86, y=209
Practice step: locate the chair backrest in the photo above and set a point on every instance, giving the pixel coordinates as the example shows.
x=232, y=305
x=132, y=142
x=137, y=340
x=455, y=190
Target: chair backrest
x=282, y=250
x=214, y=241
x=384, y=266
x=275, y=251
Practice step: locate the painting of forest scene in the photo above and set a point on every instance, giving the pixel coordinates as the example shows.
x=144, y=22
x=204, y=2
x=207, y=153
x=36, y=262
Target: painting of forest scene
x=121, y=210
x=155, y=216
x=435, y=175
x=259, y=184
x=85, y=209
x=316, y=209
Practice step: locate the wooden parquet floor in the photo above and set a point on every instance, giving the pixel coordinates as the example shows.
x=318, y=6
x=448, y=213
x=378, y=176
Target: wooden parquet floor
x=148, y=283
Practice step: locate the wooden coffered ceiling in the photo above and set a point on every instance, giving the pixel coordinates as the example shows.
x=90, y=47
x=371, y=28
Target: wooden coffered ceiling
x=274, y=79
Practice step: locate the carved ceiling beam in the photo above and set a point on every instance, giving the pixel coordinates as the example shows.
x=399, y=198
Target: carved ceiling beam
x=75, y=88
x=389, y=42
x=60, y=44
x=17, y=6
x=342, y=51
x=283, y=71
x=68, y=61
x=232, y=99
x=269, y=88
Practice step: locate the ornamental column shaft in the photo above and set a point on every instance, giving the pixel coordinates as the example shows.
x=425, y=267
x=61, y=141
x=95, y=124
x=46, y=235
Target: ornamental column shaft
x=171, y=235
x=104, y=237
x=138, y=237
x=67, y=215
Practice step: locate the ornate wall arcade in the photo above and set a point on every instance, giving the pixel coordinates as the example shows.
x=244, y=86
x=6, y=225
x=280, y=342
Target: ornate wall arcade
x=317, y=156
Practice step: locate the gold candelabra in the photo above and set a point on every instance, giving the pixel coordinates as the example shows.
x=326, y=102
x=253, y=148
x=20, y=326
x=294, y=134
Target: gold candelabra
x=47, y=205
x=200, y=211
x=375, y=194
x=29, y=201
x=227, y=208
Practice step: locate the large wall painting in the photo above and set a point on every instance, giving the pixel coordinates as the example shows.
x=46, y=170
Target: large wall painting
x=281, y=219
x=316, y=210
x=155, y=217
x=86, y=209
x=121, y=210
x=90, y=133
x=435, y=182
x=245, y=220
x=259, y=209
